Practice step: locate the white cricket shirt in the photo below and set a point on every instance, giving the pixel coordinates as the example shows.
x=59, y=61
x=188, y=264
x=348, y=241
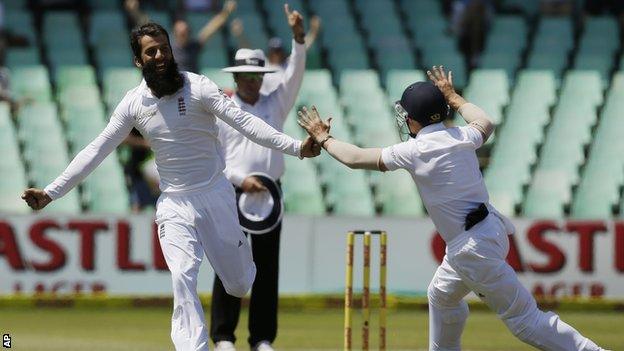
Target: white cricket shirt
x=181, y=129
x=243, y=156
x=443, y=163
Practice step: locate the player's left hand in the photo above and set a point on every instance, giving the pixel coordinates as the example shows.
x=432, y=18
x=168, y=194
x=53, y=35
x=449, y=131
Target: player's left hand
x=310, y=148
x=313, y=124
x=295, y=21
x=443, y=81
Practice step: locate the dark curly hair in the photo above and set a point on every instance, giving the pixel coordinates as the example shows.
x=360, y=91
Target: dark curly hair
x=150, y=28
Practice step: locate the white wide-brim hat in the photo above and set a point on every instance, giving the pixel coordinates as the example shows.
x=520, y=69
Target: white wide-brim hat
x=248, y=60
x=261, y=212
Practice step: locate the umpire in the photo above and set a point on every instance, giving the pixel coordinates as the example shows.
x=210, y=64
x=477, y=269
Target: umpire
x=244, y=160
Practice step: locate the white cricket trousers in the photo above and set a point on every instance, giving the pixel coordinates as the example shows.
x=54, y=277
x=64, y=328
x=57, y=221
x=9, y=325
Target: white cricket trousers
x=475, y=261
x=189, y=225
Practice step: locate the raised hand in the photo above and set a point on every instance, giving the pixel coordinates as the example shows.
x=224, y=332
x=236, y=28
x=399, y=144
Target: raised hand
x=229, y=6
x=131, y=5
x=315, y=23
x=443, y=81
x=312, y=123
x=236, y=27
x=36, y=198
x=295, y=21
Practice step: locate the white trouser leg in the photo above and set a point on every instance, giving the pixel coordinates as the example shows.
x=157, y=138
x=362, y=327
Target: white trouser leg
x=224, y=243
x=447, y=309
x=566, y=337
x=481, y=264
x=183, y=254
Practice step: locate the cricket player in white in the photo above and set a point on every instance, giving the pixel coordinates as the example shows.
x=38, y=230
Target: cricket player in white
x=196, y=213
x=444, y=166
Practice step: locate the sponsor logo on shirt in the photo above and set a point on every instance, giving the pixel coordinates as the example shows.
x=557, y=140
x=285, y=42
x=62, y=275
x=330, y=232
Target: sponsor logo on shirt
x=181, y=106
x=146, y=114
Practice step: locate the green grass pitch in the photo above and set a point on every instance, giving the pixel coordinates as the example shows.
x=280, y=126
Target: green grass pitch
x=141, y=329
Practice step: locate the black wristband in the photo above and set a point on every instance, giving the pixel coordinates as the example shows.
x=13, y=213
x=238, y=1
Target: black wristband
x=322, y=142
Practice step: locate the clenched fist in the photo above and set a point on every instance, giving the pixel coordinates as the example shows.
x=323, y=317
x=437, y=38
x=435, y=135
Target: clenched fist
x=36, y=198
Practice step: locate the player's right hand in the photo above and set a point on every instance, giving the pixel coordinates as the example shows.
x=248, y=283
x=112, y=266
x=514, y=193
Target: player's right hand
x=295, y=21
x=310, y=148
x=36, y=198
x=252, y=184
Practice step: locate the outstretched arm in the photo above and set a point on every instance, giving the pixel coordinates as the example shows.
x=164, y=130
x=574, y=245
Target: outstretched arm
x=83, y=164
x=350, y=155
x=288, y=89
x=216, y=22
x=472, y=114
x=252, y=127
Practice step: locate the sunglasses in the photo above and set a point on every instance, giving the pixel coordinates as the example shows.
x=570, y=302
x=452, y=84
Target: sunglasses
x=252, y=76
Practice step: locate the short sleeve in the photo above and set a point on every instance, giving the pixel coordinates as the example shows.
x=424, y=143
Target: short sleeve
x=398, y=156
x=472, y=135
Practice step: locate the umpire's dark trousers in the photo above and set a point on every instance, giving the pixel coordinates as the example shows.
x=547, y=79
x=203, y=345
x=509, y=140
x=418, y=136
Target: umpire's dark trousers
x=225, y=308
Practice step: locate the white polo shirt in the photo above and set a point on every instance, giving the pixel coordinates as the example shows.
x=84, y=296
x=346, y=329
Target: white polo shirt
x=181, y=129
x=443, y=163
x=243, y=156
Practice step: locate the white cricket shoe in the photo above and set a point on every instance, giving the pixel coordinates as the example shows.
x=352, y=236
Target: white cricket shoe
x=263, y=346
x=224, y=346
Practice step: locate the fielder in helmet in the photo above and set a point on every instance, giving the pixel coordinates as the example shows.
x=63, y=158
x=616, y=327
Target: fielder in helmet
x=443, y=163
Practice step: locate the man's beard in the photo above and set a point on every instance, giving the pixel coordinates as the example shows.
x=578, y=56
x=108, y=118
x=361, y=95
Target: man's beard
x=165, y=83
